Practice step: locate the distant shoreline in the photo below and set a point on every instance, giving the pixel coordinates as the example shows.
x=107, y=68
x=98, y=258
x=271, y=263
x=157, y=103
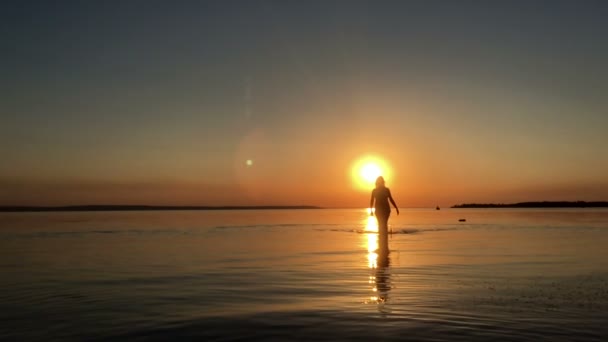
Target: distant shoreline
x=146, y=208
x=543, y=204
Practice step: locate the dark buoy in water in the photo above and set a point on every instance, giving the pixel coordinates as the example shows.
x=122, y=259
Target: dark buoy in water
x=462, y=220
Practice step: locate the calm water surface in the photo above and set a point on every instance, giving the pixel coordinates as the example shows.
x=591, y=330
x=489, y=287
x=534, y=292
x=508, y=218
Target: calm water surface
x=504, y=274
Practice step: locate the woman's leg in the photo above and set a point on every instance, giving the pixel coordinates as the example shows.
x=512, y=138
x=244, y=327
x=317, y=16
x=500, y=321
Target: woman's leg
x=383, y=232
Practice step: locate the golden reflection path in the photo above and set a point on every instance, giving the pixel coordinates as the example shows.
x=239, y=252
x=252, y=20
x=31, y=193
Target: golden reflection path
x=379, y=278
x=371, y=232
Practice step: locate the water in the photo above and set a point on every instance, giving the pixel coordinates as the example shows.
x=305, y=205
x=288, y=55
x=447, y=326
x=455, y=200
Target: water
x=504, y=274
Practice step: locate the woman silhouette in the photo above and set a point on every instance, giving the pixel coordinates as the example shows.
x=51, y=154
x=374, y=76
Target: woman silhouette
x=381, y=195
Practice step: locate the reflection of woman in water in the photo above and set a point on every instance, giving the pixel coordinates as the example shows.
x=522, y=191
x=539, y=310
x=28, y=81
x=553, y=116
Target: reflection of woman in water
x=383, y=279
x=381, y=195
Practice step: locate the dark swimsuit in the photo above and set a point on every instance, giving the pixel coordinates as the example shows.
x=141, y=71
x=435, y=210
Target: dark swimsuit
x=382, y=206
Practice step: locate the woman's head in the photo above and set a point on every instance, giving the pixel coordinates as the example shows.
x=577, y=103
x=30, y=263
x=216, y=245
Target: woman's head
x=379, y=182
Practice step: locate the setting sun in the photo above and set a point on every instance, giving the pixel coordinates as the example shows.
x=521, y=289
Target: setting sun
x=370, y=172
x=365, y=171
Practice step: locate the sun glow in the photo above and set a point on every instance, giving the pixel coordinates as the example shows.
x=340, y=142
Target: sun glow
x=370, y=172
x=365, y=171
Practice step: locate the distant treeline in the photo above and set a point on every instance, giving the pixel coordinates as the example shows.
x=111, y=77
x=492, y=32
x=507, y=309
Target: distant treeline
x=544, y=204
x=147, y=207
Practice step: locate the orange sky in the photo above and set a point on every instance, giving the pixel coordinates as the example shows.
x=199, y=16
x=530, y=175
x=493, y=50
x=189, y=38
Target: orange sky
x=103, y=105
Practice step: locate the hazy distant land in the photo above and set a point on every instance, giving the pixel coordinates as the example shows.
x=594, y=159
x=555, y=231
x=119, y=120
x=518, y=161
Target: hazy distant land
x=544, y=204
x=146, y=207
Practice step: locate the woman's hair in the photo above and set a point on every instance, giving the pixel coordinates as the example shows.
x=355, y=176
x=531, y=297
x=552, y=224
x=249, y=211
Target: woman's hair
x=379, y=181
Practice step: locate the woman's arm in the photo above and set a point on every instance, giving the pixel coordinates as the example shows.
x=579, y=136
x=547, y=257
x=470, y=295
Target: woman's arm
x=390, y=197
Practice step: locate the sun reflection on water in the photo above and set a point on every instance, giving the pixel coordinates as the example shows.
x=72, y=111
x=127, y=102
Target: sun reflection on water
x=379, y=279
x=371, y=230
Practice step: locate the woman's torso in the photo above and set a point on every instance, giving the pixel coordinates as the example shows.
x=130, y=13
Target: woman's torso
x=381, y=196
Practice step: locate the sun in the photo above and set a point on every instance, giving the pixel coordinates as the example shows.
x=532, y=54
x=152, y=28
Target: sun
x=366, y=169
x=370, y=172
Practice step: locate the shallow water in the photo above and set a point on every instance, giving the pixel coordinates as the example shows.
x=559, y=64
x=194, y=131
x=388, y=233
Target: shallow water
x=504, y=274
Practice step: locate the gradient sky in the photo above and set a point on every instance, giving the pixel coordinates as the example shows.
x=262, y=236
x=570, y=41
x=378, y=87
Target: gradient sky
x=163, y=102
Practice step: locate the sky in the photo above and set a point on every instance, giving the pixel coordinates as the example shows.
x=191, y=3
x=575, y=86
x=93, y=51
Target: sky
x=275, y=102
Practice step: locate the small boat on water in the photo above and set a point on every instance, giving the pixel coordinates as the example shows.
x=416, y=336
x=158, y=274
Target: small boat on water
x=437, y=208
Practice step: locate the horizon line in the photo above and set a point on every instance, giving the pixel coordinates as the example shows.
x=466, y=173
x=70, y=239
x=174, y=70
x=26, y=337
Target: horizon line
x=145, y=207
x=138, y=207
